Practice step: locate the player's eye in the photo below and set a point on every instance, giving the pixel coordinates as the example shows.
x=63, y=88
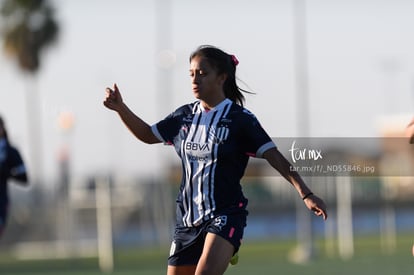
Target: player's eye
x=202, y=73
x=198, y=72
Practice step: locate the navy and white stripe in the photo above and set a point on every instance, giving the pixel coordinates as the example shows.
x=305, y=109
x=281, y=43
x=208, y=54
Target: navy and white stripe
x=201, y=159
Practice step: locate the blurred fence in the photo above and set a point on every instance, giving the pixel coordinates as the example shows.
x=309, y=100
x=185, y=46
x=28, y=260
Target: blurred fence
x=64, y=222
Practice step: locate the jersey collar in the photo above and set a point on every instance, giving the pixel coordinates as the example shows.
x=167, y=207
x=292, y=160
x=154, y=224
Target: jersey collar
x=219, y=106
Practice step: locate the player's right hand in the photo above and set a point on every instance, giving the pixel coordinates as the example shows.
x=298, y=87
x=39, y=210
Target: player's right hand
x=113, y=99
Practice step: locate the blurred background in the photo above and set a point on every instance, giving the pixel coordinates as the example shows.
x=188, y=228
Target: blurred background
x=342, y=70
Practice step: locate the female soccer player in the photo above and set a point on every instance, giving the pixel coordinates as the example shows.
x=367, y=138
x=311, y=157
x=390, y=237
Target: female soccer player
x=11, y=166
x=214, y=137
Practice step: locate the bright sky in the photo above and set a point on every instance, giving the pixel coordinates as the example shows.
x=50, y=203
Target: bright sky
x=361, y=68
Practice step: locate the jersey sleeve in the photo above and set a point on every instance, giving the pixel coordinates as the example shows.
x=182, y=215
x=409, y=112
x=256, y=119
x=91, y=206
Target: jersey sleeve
x=257, y=141
x=17, y=166
x=166, y=129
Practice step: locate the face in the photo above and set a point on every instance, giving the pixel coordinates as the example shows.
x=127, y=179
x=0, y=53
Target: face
x=207, y=85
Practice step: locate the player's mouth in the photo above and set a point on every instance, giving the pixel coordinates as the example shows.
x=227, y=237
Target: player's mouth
x=196, y=89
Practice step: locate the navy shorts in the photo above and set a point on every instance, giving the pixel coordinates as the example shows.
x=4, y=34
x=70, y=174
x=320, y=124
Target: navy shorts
x=188, y=242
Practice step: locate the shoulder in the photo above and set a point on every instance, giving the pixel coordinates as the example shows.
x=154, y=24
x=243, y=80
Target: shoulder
x=242, y=112
x=184, y=109
x=10, y=153
x=13, y=150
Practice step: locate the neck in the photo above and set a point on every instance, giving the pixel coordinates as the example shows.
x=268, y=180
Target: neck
x=210, y=104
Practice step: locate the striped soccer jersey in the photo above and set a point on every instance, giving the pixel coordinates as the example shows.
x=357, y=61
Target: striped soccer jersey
x=214, y=147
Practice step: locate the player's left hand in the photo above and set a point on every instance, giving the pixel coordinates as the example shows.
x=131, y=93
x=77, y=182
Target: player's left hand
x=316, y=205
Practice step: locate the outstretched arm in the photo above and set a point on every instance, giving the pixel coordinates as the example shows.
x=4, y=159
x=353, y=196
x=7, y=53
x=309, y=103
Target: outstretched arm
x=20, y=175
x=18, y=169
x=136, y=125
x=282, y=165
x=409, y=131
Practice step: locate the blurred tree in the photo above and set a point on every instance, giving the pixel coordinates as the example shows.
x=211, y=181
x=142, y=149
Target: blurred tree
x=27, y=28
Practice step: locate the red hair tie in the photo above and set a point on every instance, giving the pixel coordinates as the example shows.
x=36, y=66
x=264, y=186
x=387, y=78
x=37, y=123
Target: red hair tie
x=234, y=59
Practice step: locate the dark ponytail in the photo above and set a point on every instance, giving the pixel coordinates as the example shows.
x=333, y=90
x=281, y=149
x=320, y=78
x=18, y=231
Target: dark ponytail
x=223, y=63
x=4, y=129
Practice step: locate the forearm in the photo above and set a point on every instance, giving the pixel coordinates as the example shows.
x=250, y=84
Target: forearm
x=139, y=128
x=282, y=165
x=295, y=179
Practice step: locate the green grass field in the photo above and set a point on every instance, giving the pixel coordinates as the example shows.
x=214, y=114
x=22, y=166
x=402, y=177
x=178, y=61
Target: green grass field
x=257, y=258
